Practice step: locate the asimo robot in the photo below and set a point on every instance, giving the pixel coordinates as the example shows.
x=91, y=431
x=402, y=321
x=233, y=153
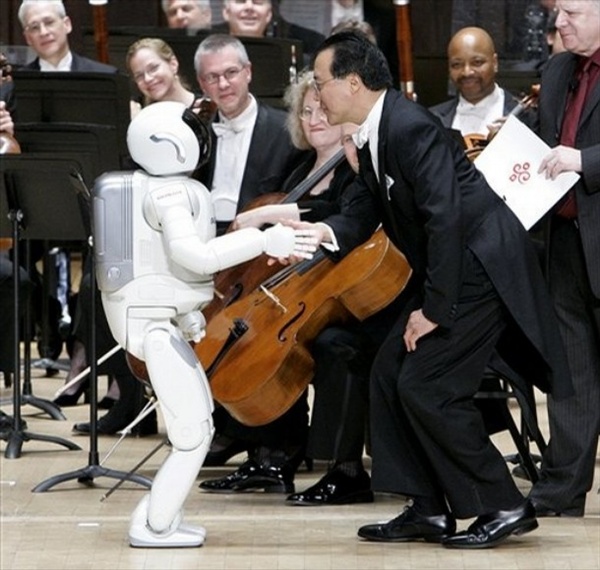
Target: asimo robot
x=156, y=251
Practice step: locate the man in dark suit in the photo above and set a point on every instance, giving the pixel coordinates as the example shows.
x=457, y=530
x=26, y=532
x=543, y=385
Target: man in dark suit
x=252, y=153
x=569, y=115
x=472, y=67
x=478, y=287
x=46, y=28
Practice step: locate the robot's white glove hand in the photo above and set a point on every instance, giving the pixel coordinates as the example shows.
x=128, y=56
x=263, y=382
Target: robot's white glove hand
x=283, y=241
x=192, y=326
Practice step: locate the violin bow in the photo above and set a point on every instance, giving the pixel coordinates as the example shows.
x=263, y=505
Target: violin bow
x=404, y=46
x=100, y=29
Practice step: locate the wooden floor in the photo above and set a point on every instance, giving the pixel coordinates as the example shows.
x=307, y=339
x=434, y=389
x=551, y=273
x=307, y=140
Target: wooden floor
x=70, y=526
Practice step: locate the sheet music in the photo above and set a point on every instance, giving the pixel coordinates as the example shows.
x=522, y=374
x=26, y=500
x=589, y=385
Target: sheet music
x=510, y=164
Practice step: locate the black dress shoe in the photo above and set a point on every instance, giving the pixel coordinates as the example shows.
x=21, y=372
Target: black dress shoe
x=109, y=426
x=252, y=476
x=67, y=400
x=336, y=488
x=490, y=530
x=411, y=526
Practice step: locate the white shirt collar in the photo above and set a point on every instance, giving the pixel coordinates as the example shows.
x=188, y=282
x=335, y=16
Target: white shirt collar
x=63, y=65
x=369, y=132
x=245, y=119
x=474, y=118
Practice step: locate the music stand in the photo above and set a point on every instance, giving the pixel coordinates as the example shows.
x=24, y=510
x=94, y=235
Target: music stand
x=31, y=213
x=75, y=97
x=93, y=469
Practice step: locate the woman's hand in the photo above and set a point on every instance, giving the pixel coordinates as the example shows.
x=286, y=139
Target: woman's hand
x=270, y=214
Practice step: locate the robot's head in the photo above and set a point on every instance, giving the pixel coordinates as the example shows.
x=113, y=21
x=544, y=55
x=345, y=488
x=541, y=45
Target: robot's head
x=167, y=138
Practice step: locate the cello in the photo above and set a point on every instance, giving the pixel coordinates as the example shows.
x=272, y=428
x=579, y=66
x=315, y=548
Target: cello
x=257, y=350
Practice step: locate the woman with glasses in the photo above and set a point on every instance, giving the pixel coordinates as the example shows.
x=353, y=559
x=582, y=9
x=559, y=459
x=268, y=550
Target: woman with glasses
x=154, y=68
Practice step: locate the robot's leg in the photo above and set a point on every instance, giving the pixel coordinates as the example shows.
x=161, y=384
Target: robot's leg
x=185, y=399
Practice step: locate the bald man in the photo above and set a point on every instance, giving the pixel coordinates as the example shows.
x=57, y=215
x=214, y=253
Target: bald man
x=472, y=66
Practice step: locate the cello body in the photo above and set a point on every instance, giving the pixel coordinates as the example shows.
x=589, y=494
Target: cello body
x=268, y=364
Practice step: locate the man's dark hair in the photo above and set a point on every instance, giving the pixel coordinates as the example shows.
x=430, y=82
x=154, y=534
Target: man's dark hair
x=353, y=52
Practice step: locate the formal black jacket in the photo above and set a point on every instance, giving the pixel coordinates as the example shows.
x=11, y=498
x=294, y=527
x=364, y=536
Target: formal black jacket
x=79, y=63
x=433, y=204
x=556, y=77
x=447, y=110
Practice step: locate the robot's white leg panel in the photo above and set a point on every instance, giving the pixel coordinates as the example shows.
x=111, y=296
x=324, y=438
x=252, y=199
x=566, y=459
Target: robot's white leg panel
x=184, y=396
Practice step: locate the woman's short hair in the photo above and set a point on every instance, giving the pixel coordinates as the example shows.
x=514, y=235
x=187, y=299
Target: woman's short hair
x=294, y=101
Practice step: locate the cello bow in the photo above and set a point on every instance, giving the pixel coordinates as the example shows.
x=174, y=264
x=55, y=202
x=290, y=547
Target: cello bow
x=404, y=46
x=235, y=282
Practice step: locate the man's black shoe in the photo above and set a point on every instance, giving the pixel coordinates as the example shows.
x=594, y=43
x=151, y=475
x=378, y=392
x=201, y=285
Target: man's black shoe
x=336, y=488
x=491, y=529
x=410, y=526
x=252, y=476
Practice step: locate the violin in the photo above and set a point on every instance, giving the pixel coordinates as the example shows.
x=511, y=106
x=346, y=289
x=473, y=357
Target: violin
x=256, y=351
x=475, y=142
x=8, y=143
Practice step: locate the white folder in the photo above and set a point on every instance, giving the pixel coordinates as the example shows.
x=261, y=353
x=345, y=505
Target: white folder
x=510, y=164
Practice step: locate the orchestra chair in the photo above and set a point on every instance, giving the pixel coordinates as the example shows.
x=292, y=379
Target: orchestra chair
x=500, y=386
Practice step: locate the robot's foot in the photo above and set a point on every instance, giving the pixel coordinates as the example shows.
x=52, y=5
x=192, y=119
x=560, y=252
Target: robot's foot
x=180, y=536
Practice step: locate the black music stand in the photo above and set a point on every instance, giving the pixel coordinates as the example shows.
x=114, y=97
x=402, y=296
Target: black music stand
x=93, y=469
x=31, y=197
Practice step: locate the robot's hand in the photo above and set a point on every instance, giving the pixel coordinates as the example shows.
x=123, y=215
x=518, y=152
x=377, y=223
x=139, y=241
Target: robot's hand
x=283, y=241
x=192, y=326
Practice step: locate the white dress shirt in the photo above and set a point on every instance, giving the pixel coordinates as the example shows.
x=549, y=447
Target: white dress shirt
x=474, y=119
x=233, y=145
x=63, y=65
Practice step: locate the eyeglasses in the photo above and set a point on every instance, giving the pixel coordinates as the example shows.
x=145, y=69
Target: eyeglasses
x=229, y=75
x=149, y=71
x=307, y=113
x=36, y=27
x=318, y=85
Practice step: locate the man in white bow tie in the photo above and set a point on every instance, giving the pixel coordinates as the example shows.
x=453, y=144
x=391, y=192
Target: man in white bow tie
x=480, y=103
x=252, y=151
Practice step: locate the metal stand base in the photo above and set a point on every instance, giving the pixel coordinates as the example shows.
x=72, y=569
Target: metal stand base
x=86, y=475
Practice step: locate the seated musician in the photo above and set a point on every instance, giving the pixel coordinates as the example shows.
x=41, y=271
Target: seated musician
x=342, y=354
x=480, y=103
x=154, y=67
x=261, y=18
x=188, y=14
x=46, y=29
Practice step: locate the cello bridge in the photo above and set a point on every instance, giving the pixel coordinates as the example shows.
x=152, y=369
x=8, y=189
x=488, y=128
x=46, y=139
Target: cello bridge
x=273, y=298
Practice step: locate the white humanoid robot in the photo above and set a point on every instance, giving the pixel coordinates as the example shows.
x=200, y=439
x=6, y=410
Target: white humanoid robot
x=156, y=251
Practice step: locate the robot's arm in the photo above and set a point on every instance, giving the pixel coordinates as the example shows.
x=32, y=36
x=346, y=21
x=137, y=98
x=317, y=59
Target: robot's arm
x=188, y=250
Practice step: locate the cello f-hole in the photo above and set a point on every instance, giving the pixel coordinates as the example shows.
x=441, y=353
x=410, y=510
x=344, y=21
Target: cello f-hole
x=281, y=335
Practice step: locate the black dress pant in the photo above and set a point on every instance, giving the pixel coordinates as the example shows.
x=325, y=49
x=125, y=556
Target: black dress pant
x=428, y=437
